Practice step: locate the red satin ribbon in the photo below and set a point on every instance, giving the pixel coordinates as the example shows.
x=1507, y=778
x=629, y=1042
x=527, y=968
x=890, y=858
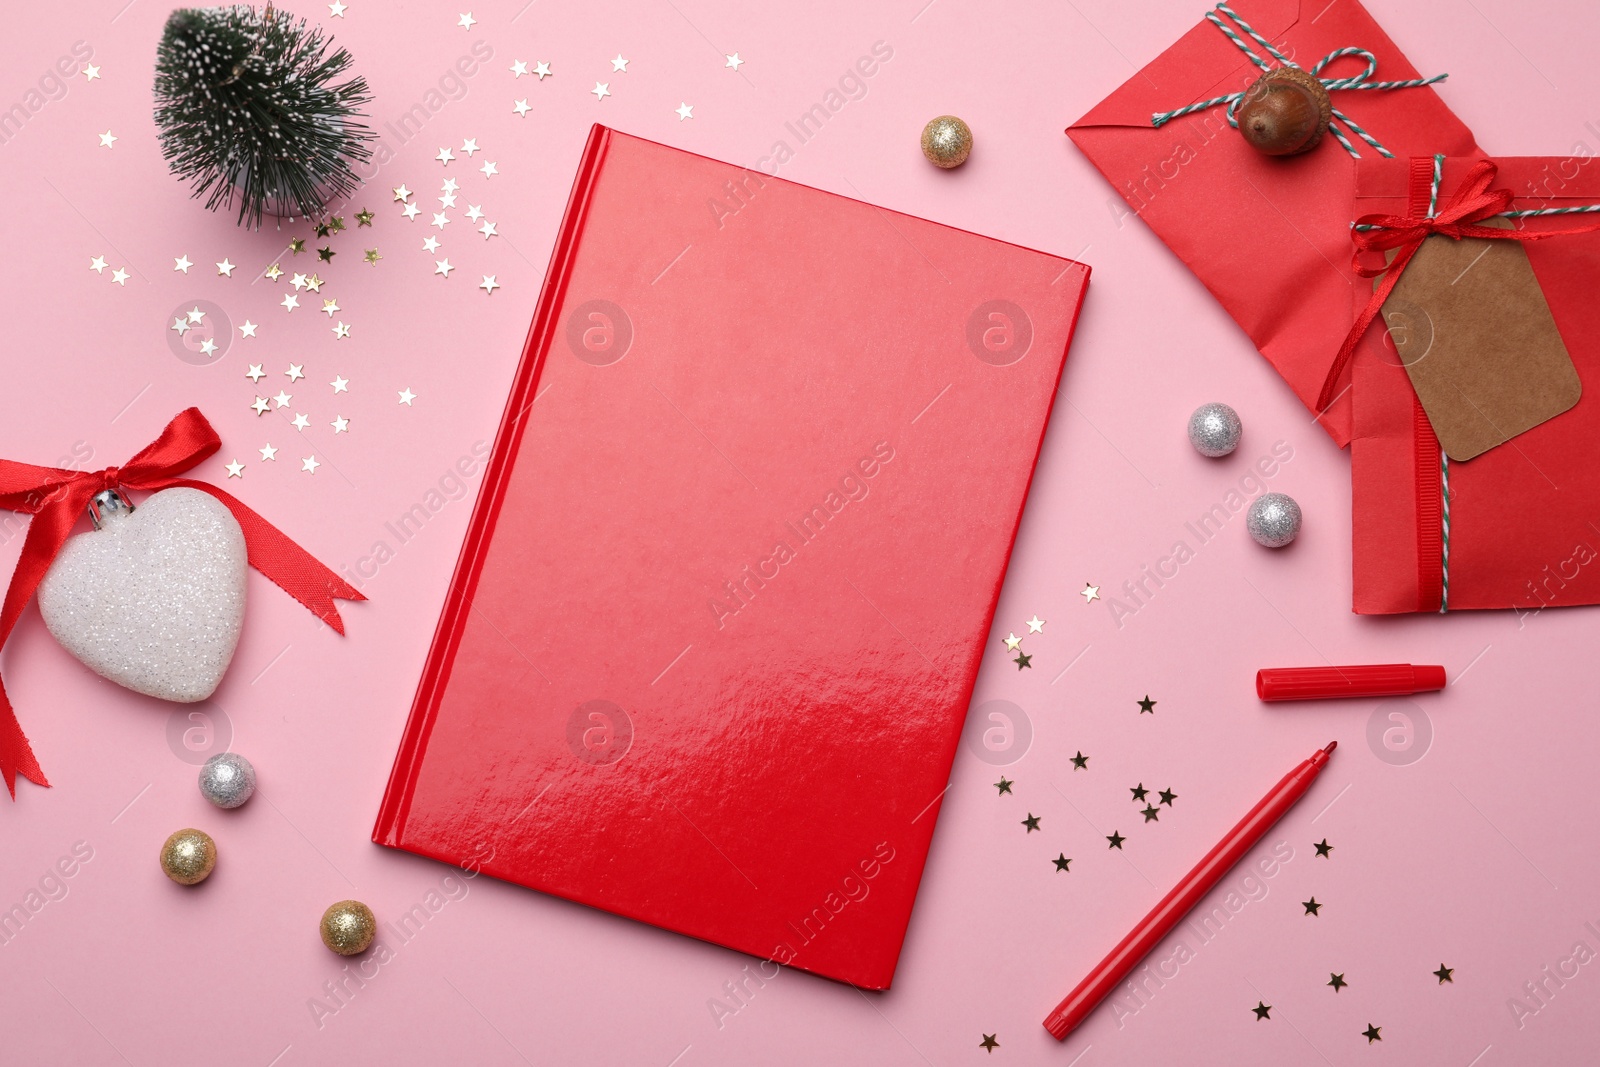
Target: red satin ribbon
x=55, y=498
x=1471, y=203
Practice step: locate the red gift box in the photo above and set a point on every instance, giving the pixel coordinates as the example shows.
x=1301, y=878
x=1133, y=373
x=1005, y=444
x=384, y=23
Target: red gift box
x=1269, y=236
x=1514, y=527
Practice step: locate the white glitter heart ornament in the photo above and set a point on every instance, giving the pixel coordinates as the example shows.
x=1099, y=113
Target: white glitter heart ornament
x=154, y=598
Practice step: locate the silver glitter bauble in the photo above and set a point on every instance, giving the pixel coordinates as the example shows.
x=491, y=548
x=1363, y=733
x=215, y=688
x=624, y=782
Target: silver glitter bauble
x=947, y=141
x=227, y=780
x=1214, y=429
x=1273, y=520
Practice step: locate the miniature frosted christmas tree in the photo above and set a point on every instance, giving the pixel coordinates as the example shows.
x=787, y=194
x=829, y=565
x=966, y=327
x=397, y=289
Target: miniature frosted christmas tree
x=250, y=106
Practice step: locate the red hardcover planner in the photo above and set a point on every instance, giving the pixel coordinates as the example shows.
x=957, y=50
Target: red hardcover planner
x=707, y=652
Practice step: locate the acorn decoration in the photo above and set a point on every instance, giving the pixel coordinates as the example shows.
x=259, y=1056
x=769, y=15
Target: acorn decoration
x=1285, y=112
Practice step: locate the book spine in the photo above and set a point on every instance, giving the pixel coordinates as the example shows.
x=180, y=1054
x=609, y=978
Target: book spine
x=390, y=826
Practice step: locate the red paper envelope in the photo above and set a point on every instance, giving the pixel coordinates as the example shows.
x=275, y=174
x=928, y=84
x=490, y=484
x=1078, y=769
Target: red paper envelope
x=1518, y=526
x=707, y=653
x=1267, y=235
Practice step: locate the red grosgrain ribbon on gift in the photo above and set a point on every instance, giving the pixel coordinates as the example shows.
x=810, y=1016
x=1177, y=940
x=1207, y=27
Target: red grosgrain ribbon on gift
x=56, y=497
x=1456, y=218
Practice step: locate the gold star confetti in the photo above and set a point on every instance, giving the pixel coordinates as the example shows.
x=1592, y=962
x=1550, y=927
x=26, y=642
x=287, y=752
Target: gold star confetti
x=1012, y=641
x=371, y=256
x=297, y=245
x=325, y=254
x=274, y=272
x=315, y=283
x=336, y=224
x=401, y=194
x=322, y=229
x=329, y=307
x=364, y=218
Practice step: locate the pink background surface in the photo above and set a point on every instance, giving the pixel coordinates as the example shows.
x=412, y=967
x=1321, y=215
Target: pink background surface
x=1477, y=855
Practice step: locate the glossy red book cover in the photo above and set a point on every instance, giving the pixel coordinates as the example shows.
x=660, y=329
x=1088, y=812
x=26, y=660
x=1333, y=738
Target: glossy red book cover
x=707, y=652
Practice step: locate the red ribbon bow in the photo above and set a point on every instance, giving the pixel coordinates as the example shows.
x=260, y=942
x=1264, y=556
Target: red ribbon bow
x=56, y=497
x=1456, y=218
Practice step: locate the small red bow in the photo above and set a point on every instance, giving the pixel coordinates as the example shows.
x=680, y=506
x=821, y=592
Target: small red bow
x=56, y=497
x=1456, y=218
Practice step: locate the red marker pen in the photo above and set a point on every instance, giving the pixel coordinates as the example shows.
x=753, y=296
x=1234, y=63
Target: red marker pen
x=1364, y=680
x=1185, y=895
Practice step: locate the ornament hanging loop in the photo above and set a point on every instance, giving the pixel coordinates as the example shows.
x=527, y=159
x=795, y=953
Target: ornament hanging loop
x=108, y=502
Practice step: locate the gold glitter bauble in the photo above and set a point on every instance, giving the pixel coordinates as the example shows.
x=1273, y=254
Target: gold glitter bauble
x=348, y=927
x=188, y=856
x=947, y=141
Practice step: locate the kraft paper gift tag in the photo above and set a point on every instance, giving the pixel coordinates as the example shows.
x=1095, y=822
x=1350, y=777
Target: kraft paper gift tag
x=1475, y=334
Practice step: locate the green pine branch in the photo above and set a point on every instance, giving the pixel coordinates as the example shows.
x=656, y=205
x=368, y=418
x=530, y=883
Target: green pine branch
x=249, y=106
